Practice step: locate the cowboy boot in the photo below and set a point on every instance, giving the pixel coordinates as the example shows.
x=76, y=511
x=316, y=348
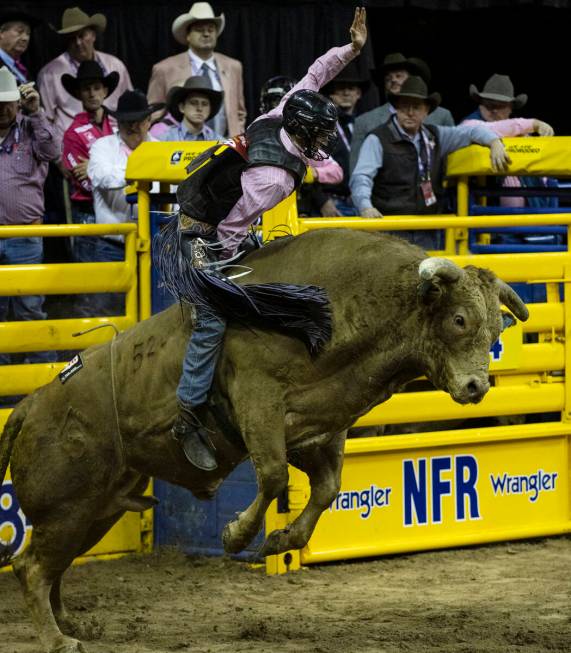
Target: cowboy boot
x=193, y=437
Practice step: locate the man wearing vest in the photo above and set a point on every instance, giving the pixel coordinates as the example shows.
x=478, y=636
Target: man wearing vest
x=401, y=164
x=229, y=187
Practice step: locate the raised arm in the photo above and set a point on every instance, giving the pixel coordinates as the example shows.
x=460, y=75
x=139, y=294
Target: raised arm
x=326, y=67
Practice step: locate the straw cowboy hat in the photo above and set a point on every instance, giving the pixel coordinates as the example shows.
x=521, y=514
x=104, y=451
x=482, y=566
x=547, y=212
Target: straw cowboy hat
x=415, y=87
x=198, y=11
x=74, y=20
x=89, y=71
x=8, y=86
x=500, y=89
x=134, y=107
x=198, y=84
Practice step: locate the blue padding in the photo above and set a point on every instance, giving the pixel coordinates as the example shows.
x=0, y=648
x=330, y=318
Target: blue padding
x=520, y=230
x=515, y=249
x=475, y=209
x=196, y=526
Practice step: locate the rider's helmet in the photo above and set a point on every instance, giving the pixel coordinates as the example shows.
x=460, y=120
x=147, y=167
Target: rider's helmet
x=311, y=119
x=273, y=91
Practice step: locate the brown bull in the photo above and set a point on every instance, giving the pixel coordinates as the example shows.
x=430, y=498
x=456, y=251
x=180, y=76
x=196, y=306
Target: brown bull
x=82, y=452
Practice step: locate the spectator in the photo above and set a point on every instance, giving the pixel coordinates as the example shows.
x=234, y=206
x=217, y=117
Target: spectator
x=395, y=71
x=16, y=27
x=273, y=90
x=91, y=87
x=345, y=91
x=192, y=105
x=106, y=170
x=199, y=30
x=401, y=164
x=80, y=33
x=496, y=103
x=27, y=143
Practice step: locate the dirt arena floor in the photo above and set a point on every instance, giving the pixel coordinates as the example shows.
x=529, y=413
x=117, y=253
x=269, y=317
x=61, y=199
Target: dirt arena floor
x=500, y=598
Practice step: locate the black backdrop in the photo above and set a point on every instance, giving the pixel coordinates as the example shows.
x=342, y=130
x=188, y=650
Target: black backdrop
x=465, y=42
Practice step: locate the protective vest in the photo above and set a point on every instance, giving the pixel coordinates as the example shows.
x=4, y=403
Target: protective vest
x=214, y=183
x=396, y=188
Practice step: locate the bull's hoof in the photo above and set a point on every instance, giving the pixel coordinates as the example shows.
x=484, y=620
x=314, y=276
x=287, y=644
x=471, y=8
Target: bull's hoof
x=90, y=629
x=68, y=645
x=5, y=555
x=232, y=541
x=277, y=542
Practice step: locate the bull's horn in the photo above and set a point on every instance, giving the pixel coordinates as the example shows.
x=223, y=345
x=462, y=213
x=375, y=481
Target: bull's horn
x=439, y=267
x=512, y=300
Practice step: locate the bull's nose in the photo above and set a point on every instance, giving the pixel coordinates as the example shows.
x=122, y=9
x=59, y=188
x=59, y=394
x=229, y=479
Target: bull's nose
x=476, y=389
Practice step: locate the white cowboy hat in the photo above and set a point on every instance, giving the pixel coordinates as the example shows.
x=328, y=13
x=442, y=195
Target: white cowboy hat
x=198, y=11
x=8, y=87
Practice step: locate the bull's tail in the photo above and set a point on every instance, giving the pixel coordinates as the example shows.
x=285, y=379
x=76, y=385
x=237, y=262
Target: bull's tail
x=7, y=439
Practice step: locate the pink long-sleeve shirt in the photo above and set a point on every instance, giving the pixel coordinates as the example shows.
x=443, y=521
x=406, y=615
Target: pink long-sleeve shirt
x=504, y=129
x=266, y=186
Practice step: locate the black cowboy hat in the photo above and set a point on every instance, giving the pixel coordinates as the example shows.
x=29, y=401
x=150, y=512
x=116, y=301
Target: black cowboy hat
x=11, y=14
x=349, y=76
x=133, y=107
x=415, y=87
x=500, y=89
x=89, y=71
x=197, y=84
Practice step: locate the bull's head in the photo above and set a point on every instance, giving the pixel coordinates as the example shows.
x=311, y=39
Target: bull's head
x=462, y=319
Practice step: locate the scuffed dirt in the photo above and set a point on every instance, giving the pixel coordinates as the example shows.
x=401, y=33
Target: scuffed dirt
x=502, y=598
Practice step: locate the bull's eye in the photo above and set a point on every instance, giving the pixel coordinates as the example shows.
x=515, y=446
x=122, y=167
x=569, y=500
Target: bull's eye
x=459, y=321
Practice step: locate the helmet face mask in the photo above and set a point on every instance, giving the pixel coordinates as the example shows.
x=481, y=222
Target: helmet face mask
x=311, y=120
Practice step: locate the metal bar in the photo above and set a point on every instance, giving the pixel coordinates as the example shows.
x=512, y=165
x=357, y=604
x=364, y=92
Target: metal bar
x=544, y=317
x=437, y=405
x=520, y=267
x=397, y=223
x=64, y=278
x=58, y=230
x=23, y=379
x=144, y=218
x=40, y=335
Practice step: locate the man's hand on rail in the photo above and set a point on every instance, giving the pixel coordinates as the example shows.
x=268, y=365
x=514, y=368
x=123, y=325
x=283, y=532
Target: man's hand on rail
x=371, y=213
x=542, y=128
x=499, y=158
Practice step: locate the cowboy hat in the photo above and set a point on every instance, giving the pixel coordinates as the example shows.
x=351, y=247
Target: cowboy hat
x=198, y=11
x=89, y=71
x=74, y=20
x=415, y=87
x=500, y=89
x=8, y=86
x=15, y=14
x=349, y=76
x=197, y=84
x=134, y=107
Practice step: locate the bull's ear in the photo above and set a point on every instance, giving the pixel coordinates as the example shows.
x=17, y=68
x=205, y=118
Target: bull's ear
x=434, y=274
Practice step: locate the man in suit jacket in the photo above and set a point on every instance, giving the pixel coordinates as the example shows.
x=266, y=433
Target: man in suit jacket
x=199, y=30
x=395, y=71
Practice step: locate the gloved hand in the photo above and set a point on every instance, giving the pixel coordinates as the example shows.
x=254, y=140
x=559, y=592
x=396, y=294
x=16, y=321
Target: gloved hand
x=197, y=252
x=542, y=128
x=499, y=158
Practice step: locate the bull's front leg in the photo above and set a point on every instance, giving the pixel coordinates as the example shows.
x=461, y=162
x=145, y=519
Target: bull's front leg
x=261, y=423
x=323, y=466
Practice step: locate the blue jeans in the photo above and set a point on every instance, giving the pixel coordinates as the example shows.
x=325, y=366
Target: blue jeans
x=201, y=357
x=83, y=251
x=425, y=239
x=23, y=251
x=110, y=251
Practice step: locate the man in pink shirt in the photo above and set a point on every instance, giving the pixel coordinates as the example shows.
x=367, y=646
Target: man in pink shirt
x=229, y=187
x=80, y=33
x=91, y=87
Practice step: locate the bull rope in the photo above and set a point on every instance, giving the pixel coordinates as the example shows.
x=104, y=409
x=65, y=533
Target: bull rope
x=118, y=439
